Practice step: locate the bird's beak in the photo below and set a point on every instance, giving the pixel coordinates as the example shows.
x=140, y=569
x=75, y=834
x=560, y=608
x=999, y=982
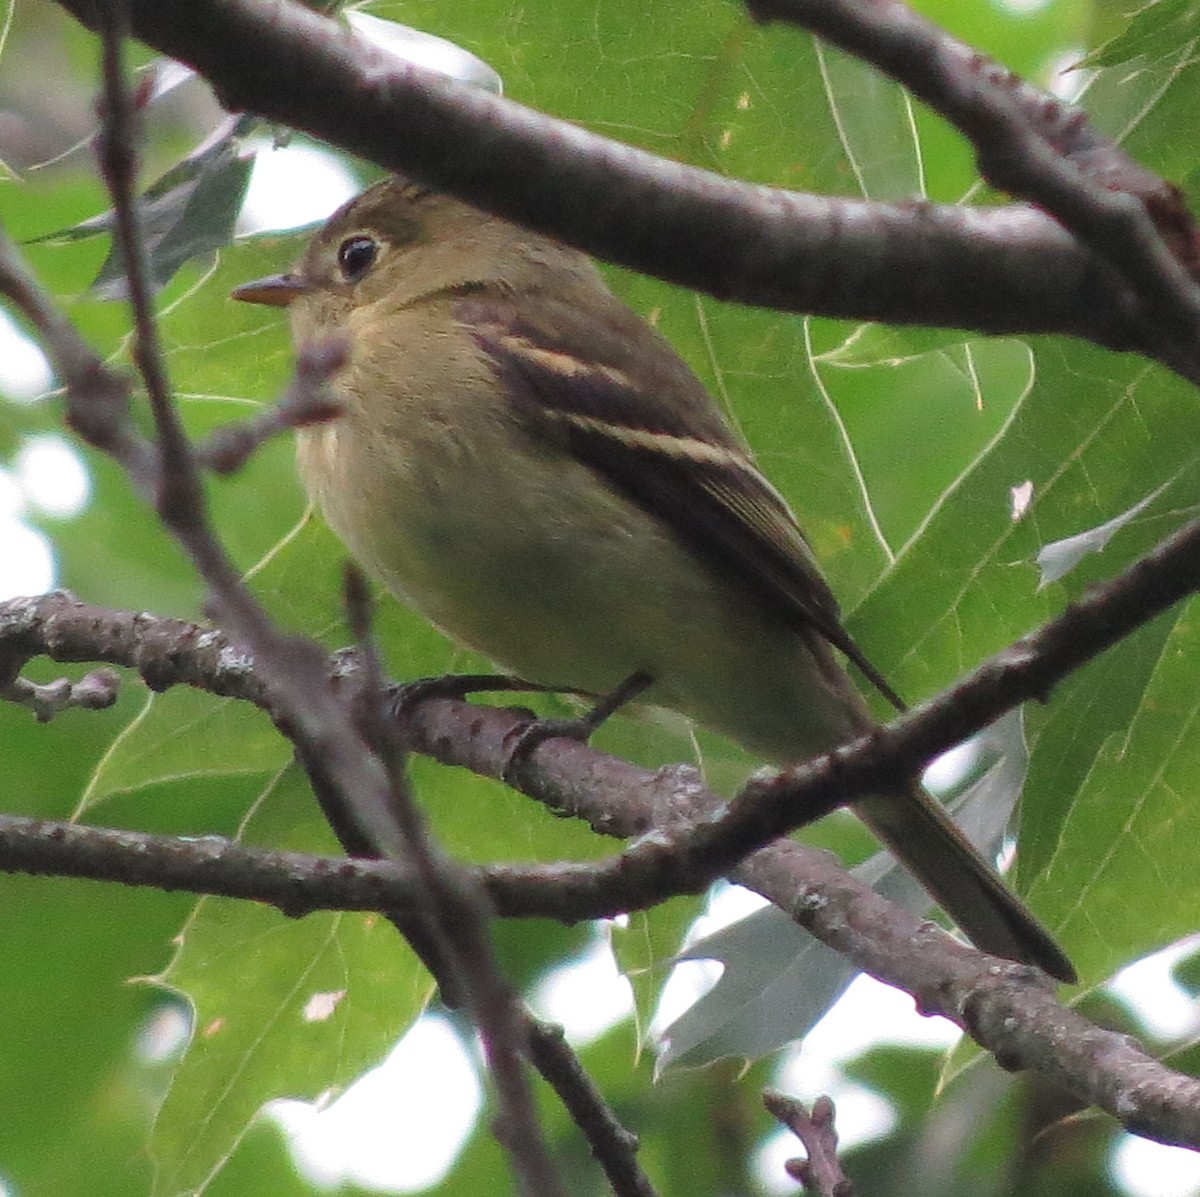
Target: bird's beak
x=276, y=290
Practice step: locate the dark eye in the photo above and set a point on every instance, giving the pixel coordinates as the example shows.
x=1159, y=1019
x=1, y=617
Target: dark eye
x=356, y=255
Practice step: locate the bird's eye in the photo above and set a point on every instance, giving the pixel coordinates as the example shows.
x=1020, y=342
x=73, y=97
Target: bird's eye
x=356, y=255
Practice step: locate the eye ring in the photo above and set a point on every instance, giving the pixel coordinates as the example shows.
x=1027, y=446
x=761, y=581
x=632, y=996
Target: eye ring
x=356, y=255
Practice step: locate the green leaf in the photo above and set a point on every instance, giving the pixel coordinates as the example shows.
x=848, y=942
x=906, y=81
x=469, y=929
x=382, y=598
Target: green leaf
x=1134, y=816
x=281, y=1007
x=646, y=947
x=1157, y=32
x=185, y=734
x=875, y=125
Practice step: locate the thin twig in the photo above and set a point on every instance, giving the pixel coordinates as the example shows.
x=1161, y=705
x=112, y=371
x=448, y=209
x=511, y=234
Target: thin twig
x=179, y=496
x=821, y=1173
x=614, y=1147
x=306, y=401
x=96, y=691
x=457, y=911
x=292, y=667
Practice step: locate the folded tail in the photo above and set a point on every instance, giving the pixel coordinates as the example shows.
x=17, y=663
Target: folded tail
x=922, y=836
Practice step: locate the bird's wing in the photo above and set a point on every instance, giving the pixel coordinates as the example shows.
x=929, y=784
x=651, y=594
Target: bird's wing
x=678, y=460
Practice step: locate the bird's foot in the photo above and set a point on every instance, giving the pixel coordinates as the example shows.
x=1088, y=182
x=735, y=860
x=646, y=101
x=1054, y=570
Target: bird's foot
x=537, y=731
x=404, y=696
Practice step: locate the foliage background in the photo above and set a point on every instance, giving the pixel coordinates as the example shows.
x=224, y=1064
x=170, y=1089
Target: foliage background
x=898, y=448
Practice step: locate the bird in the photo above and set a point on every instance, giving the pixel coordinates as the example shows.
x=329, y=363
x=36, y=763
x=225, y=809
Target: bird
x=524, y=460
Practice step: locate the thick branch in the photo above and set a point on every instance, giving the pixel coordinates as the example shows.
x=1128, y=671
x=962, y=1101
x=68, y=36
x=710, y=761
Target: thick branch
x=996, y=270
x=1033, y=146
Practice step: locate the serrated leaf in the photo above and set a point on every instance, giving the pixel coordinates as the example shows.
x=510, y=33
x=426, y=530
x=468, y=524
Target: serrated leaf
x=188, y=212
x=193, y=216
x=281, y=1007
x=185, y=733
x=1155, y=32
x=778, y=981
x=1132, y=824
x=645, y=948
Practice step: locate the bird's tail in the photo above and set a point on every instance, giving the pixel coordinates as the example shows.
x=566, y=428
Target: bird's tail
x=923, y=837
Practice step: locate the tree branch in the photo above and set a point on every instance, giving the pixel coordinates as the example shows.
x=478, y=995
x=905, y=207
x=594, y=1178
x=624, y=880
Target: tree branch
x=456, y=913
x=1033, y=146
x=821, y=1172
x=995, y=270
x=1007, y=1008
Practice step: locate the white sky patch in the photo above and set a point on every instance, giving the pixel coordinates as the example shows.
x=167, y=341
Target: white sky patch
x=587, y=996
x=26, y=559
x=292, y=186
x=1065, y=78
x=398, y=1128
x=164, y=1034
x=867, y=1014
x=690, y=980
x=48, y=478
x=1165, y=1009
x=951, y=768
x=52, y=476
x=25, y=373
x=1146, y=1169
x=12, y=497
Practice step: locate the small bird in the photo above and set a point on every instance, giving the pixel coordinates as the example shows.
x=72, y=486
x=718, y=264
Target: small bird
x=526, y=462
